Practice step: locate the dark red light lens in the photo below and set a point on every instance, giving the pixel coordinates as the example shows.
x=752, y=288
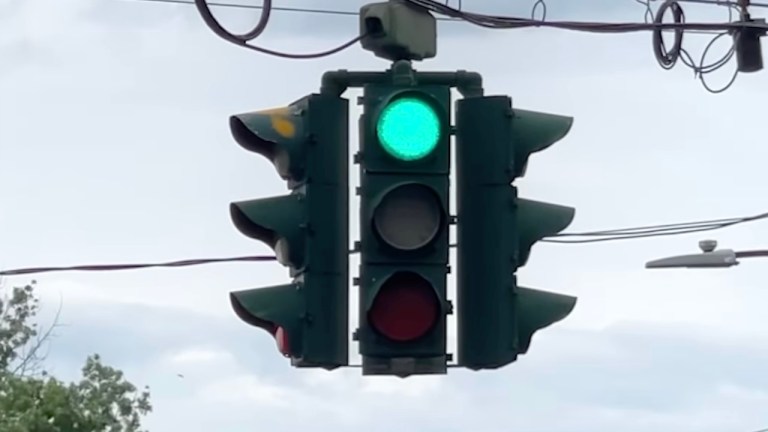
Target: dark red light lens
x=405, y=308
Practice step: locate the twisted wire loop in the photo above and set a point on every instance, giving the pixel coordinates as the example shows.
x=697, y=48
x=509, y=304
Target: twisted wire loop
x=668, y=57
x=539, y=4
x=242, y=39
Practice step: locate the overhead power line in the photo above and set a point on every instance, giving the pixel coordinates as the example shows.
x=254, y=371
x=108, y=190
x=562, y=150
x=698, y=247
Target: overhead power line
x=668, y=57
x=113, y=267
x=259, y=7
x=203, y=8
x=539, y=5
x=598, y=236
x=653, y=230
x=447, y=13
x=506, y=22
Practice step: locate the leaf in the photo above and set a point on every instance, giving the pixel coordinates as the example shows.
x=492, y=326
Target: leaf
x=102, y=401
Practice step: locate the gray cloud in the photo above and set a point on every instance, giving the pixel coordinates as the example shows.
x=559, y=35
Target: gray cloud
x=657, y=373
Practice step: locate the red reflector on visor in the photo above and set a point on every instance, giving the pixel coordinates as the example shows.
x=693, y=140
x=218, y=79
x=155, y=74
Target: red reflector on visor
x=281, y=337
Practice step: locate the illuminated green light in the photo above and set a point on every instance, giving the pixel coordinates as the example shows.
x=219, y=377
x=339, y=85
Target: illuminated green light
x=409, y=129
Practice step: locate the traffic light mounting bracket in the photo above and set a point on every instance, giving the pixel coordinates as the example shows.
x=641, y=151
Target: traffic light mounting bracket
x=469, y=84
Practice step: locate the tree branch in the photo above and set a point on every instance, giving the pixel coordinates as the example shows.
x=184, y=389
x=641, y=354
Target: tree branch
x=30, y=361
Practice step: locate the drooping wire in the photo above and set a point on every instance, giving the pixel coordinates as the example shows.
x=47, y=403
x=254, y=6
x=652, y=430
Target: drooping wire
x=603, y=235
x=654, y=22
x=506, y=22
x=242, y=39
x=113, y=267
x=258, y=7
x=305, y=10
x=215, y=26
x=667, y=58
x=503, y=22
x=536, y=5
x=649, y=17
x=655, y=230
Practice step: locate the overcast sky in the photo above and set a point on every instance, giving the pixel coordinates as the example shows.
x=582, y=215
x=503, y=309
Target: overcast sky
x=114, y=147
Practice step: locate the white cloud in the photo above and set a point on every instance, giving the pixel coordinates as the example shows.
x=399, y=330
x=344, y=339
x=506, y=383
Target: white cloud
x=660, y=376
x=199, y=356
x=743, y=395
x=412, y=387
x=248, y=390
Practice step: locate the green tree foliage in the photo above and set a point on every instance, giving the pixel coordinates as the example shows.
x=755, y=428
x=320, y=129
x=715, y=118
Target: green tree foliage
x=31, y=400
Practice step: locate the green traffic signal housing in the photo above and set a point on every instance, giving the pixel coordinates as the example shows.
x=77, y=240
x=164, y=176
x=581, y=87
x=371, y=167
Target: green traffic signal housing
x=307, y=142
x=404, y=168
x=496, y=318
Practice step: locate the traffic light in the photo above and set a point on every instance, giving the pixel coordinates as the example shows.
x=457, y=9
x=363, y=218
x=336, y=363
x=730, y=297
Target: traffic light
x=308, y=229
x=404, y=175
x=496, y=230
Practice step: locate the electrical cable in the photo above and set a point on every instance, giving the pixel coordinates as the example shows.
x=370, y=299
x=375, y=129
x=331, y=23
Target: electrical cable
x=608, y=235
x=505, y=22
x=215, y=26
x=536, y=5
x=113, y=267
x=459, y=2
x=338, y=12
x=655, y=231
x=242, y=39
x=258, y=7
x=667, y=58
x=653, y=228
x=628, y=236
